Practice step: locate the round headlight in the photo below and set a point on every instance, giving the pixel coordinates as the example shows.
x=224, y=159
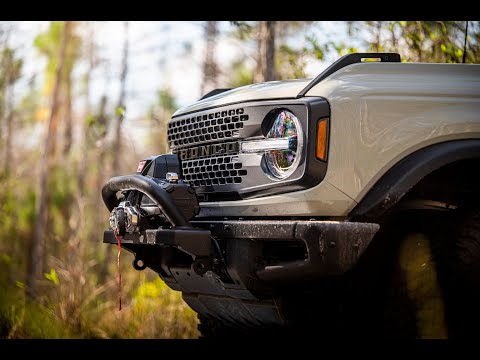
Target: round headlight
x=282, y=163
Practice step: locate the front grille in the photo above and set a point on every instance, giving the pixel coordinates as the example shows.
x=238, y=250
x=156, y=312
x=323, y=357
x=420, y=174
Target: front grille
x=213, y=127
x=210, y=127
x=220, y=170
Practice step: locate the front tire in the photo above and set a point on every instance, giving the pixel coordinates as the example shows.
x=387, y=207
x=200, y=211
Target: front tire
x=436, y=287
x=464, y=289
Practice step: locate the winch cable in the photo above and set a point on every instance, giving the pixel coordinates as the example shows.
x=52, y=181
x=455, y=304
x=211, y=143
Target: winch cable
x=118, y=270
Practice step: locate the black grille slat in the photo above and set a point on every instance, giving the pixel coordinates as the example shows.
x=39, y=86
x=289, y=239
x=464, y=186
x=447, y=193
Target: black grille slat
x=214, y=125
x=211, y=171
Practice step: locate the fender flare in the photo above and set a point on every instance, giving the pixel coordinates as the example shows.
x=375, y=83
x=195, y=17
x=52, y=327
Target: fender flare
x=398, y=180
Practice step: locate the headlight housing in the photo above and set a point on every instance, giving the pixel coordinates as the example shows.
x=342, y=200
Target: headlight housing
x=282, y=163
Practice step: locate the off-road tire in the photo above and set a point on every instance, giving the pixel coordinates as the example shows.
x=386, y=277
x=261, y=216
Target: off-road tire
x=464, y=280
x=211, y=328
x=455, y=247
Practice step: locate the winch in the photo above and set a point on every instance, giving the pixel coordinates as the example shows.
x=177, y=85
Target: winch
x=153, y=207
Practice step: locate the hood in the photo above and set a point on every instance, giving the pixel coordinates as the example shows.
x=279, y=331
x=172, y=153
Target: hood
x=268, y=90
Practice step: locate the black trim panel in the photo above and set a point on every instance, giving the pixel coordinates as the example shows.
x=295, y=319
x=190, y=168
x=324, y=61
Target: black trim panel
x=409, y=171
x=213, y=93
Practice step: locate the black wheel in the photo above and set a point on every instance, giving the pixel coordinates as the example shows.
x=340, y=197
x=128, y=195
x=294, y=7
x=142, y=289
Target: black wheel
x=464, y=279
x=435, y=288
x=413, y=288
x=416, y=306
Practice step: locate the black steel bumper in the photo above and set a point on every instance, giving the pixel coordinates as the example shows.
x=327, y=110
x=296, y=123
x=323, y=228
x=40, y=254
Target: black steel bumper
x=332, y=247
x=195, y=242
x=248, y=295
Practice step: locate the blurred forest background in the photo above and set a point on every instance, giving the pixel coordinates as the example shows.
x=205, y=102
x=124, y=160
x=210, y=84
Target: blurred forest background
x=81, y=102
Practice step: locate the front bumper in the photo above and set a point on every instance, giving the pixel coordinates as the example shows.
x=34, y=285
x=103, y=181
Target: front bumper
x=249, y=295
x=331, y=248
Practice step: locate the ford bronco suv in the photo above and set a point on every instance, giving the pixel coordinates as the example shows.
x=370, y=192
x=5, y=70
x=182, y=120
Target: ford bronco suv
x=282, y=206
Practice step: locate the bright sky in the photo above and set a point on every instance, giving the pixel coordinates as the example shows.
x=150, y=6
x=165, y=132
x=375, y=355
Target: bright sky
x=162, y=54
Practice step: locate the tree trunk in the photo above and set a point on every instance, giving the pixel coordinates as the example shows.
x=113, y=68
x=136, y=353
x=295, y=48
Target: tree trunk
x=3, y=101
x=37, y=247
x=99, y=176
x=210, y=68
x=265, y=70
x=66, y=209
x=67, y=144
x=67, y=135
x=120, y=110
x=8, y=129
x=9, y=109
x=82, y=168
x=87, y=203
x=393, y=35
x=378, y=37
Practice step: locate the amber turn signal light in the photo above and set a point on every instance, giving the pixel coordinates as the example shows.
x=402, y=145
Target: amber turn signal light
x=322, y=139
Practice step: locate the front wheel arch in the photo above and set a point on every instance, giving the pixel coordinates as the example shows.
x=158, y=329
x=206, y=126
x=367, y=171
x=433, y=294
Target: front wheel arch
x=410, y=171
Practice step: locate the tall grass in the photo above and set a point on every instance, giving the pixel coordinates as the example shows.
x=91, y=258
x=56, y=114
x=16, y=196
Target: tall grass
x=150, y=309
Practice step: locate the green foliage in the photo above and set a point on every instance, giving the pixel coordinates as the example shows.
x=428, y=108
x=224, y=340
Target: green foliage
x=71, y=301
x=241, y=75
x=243, y=30
x=159, y=114
x=97, y=123
x=76, y=305
x=8, y=206
x=420, y=41
x=90, y=120
x=28, y=105
x=22, y=319
x=290, y=57
x=48, y=44
x=317, y=50
x=10, y=72
x=10, y=67
x=290, y=62
x=25, y=214
x=52, y=276
x=166, y=101
x=62, y=186
x=120, y=111
x=154, y=312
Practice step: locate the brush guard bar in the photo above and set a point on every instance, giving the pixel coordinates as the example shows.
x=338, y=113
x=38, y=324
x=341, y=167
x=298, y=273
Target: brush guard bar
x=149, y=187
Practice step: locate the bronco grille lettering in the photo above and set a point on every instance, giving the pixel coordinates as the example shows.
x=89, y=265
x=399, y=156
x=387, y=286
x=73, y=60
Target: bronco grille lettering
x=209, y=150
